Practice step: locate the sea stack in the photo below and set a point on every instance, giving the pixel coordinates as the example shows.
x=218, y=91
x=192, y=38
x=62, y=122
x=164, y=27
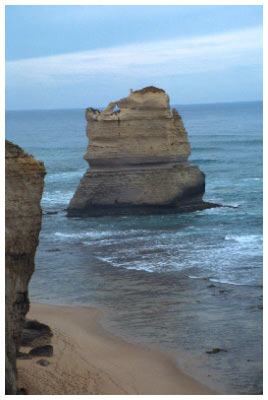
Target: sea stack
x=24, y=187
x=138, y=160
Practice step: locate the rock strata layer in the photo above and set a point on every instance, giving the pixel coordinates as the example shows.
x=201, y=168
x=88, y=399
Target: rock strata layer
x=24, y=187
x=138, y=157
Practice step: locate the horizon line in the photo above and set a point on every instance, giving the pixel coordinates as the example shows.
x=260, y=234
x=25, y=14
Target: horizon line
x=171, y=105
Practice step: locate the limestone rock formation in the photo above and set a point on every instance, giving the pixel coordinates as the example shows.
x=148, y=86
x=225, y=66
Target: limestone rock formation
x=138, y=156
x=24, y=187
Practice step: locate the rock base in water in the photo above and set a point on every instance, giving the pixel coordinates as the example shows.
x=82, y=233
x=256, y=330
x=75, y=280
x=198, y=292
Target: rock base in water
x=98, y=211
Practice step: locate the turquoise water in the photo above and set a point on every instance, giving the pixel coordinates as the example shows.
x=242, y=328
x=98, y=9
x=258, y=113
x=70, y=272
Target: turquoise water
x=185, y=283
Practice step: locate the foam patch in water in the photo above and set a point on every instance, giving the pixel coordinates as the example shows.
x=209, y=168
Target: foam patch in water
x=59, y=176
x=95, y=235
x=92, y=235
x=226, y=281
x=244, y=239
x=56, y=197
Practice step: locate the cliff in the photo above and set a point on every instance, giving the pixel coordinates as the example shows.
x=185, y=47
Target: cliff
x=24, y=187
x=138, y=156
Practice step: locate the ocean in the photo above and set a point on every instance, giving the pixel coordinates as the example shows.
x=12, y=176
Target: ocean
x=183, y=283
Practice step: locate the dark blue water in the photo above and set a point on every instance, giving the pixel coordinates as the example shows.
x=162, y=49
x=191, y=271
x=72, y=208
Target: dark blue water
x=185, y=283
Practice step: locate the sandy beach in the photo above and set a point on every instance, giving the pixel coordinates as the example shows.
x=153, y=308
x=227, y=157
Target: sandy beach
x=89, y=360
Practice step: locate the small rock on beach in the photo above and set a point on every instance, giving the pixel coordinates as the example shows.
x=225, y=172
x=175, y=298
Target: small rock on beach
x=42, y=362
x=215, y=351
x=43, y=351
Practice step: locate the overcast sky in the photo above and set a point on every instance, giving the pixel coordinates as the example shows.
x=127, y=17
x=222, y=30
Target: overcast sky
x=80, y=56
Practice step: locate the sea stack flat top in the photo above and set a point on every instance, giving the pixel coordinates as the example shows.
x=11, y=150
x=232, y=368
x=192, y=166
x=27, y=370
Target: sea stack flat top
x=139, y=129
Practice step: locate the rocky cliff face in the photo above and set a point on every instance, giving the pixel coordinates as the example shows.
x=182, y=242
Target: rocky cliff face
x=24, y=187
x=138, y=156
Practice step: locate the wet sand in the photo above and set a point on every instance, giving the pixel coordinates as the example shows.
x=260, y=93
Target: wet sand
x=89, y=360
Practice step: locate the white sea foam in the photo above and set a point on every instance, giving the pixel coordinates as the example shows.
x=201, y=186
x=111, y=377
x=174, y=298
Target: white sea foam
x=141, y=264
x=197, y=277
x=103, y=242
x=127, y=234
x=232, y=204
x=83, y=235
x=60, y=176
x=244, y=239
x=214, y=211
x=252, y=179
x=56, y=197
x=226, y=281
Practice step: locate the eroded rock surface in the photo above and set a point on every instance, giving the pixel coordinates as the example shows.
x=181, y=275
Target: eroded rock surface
x=24, y=187
x=138, y=156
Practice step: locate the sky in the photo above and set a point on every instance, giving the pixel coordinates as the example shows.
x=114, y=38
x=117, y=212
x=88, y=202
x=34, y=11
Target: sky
x=64, y=56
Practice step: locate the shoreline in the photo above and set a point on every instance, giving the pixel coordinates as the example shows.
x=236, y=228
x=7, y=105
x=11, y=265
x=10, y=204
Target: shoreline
x=90, y=360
